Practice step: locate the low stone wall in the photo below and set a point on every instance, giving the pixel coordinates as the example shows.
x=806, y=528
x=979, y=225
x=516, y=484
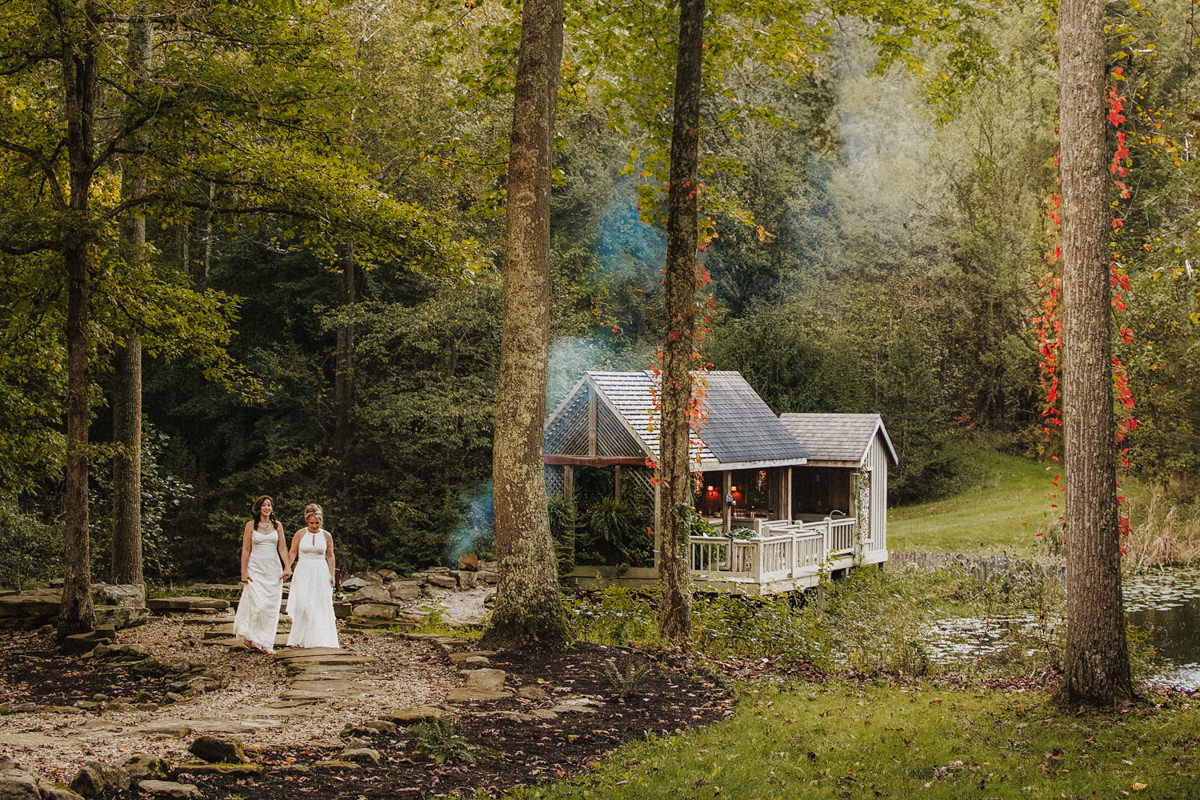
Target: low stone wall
x=381, y=597
x=984, y=568
x=120, y=606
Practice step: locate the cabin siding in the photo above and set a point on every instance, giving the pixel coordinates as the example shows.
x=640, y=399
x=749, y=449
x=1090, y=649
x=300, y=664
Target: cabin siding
x=876, y=462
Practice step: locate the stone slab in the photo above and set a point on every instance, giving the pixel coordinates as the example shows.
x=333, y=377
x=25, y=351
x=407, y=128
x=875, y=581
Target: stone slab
x=329, y=687
x=335, y=659
x=466, y=695
x=415, y=714
x=304, y=652
x=171, y=605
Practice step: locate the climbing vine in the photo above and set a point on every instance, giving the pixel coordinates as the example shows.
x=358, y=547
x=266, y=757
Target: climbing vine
x=1049, y=323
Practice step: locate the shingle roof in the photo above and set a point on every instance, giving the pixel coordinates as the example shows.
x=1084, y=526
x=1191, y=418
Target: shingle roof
x=740, y=428
x=837, y=437
x=631, y=394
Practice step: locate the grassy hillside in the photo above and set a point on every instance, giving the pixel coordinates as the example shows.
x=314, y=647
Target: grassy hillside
x=1004, y=503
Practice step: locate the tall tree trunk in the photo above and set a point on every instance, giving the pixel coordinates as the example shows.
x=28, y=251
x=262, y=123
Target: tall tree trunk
x=528, y=602
x=674, y=619
x=79, y=82
x=343, y=374
x=127, y=391
x=206, y=263
x=1096, y=662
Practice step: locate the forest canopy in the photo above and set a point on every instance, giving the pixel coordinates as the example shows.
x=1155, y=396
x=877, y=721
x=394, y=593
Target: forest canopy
x=319, y=292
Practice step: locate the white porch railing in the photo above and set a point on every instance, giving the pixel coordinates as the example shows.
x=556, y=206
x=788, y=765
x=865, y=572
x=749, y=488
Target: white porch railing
x=783, y=550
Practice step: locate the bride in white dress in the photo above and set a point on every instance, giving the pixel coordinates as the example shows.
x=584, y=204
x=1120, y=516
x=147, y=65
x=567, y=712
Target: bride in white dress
x=262, y=551
x=310, y=598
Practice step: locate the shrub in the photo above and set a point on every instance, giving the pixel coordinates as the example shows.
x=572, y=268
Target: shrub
x=30, y=550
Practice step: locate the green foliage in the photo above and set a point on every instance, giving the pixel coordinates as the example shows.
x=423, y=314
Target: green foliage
x=872, y=252
x=699, y=526
x=564, y=529
x=624, y=683
x=873, y=621
x=30, y=548
x=439, y=739
x=613, y=536
x=616, y=615
x=794, y=365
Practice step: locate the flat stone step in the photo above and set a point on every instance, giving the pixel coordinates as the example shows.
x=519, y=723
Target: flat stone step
x=330, y=687
x=236, y=642
x=299, y=671
x=225, y=630
x=184, y=605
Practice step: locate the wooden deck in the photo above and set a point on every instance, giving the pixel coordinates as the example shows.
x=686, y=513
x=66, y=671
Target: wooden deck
x=785, y=557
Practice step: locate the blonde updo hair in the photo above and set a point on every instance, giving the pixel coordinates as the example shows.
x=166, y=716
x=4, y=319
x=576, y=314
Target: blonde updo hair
x=313, y=510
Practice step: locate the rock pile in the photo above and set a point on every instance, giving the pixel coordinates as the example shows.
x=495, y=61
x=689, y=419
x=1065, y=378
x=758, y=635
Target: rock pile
x=381, y=597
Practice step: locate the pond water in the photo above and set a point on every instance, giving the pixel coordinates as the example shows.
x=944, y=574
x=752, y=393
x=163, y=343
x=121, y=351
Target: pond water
x=1165, y=604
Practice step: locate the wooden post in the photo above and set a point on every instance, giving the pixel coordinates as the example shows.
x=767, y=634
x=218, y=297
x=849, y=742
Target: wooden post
x=787, y=494
x=568, y=484
x=726, y=509
x=617, y=483
x=657, y=521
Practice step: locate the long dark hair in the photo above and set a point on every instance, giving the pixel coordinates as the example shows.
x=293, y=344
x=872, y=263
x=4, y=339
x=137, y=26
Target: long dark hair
x=256, y=510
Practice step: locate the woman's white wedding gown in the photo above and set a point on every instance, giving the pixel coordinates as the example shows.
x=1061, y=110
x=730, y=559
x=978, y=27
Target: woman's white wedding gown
x=310, y=598
x=257, y=616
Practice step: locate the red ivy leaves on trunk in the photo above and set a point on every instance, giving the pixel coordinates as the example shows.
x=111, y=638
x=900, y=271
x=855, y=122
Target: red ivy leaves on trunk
x=1049, y=324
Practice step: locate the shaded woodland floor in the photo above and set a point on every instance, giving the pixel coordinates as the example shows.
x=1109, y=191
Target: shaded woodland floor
x=615, y=695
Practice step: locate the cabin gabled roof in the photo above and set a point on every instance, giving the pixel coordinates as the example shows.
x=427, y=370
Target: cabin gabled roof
x=740, y=432
x=838, y=438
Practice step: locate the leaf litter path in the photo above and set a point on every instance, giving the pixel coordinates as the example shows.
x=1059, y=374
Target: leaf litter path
x=548, y=715
x=252, y=696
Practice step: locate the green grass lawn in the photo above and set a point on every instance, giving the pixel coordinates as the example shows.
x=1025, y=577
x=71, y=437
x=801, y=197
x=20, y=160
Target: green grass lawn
x=1003, y=506
x=837, y=741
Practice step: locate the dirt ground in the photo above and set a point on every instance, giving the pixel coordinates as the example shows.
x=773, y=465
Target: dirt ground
x=603, y=696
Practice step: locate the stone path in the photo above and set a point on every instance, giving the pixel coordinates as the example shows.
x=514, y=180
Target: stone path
x=295, y=698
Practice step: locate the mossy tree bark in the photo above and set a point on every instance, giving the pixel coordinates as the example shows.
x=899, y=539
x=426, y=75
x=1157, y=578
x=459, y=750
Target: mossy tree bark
x=528, y=601
x=127, y=390
x=78, y=53
x=679, y=348
x=1096, y=662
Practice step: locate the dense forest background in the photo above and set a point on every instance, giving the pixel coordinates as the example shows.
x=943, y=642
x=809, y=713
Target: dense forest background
x=879, y=232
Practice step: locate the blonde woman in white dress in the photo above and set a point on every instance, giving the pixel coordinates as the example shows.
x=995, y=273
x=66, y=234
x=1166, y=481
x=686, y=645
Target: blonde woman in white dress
x=310, y=598
x=263, y=551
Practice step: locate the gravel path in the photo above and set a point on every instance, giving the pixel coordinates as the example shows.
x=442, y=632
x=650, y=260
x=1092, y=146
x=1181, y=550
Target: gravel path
x=56, y=743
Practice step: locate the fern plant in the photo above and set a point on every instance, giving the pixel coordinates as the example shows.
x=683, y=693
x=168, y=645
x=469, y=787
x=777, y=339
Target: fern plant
x=627, y=682
x=439, y=739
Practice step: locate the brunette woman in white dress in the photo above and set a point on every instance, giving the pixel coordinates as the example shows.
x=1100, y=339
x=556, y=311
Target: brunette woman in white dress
x=310, y=598
x=262, y=553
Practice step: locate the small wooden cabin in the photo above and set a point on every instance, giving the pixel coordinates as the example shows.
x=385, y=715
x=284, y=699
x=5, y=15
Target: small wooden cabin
x=784, y=510
x=846, y=473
